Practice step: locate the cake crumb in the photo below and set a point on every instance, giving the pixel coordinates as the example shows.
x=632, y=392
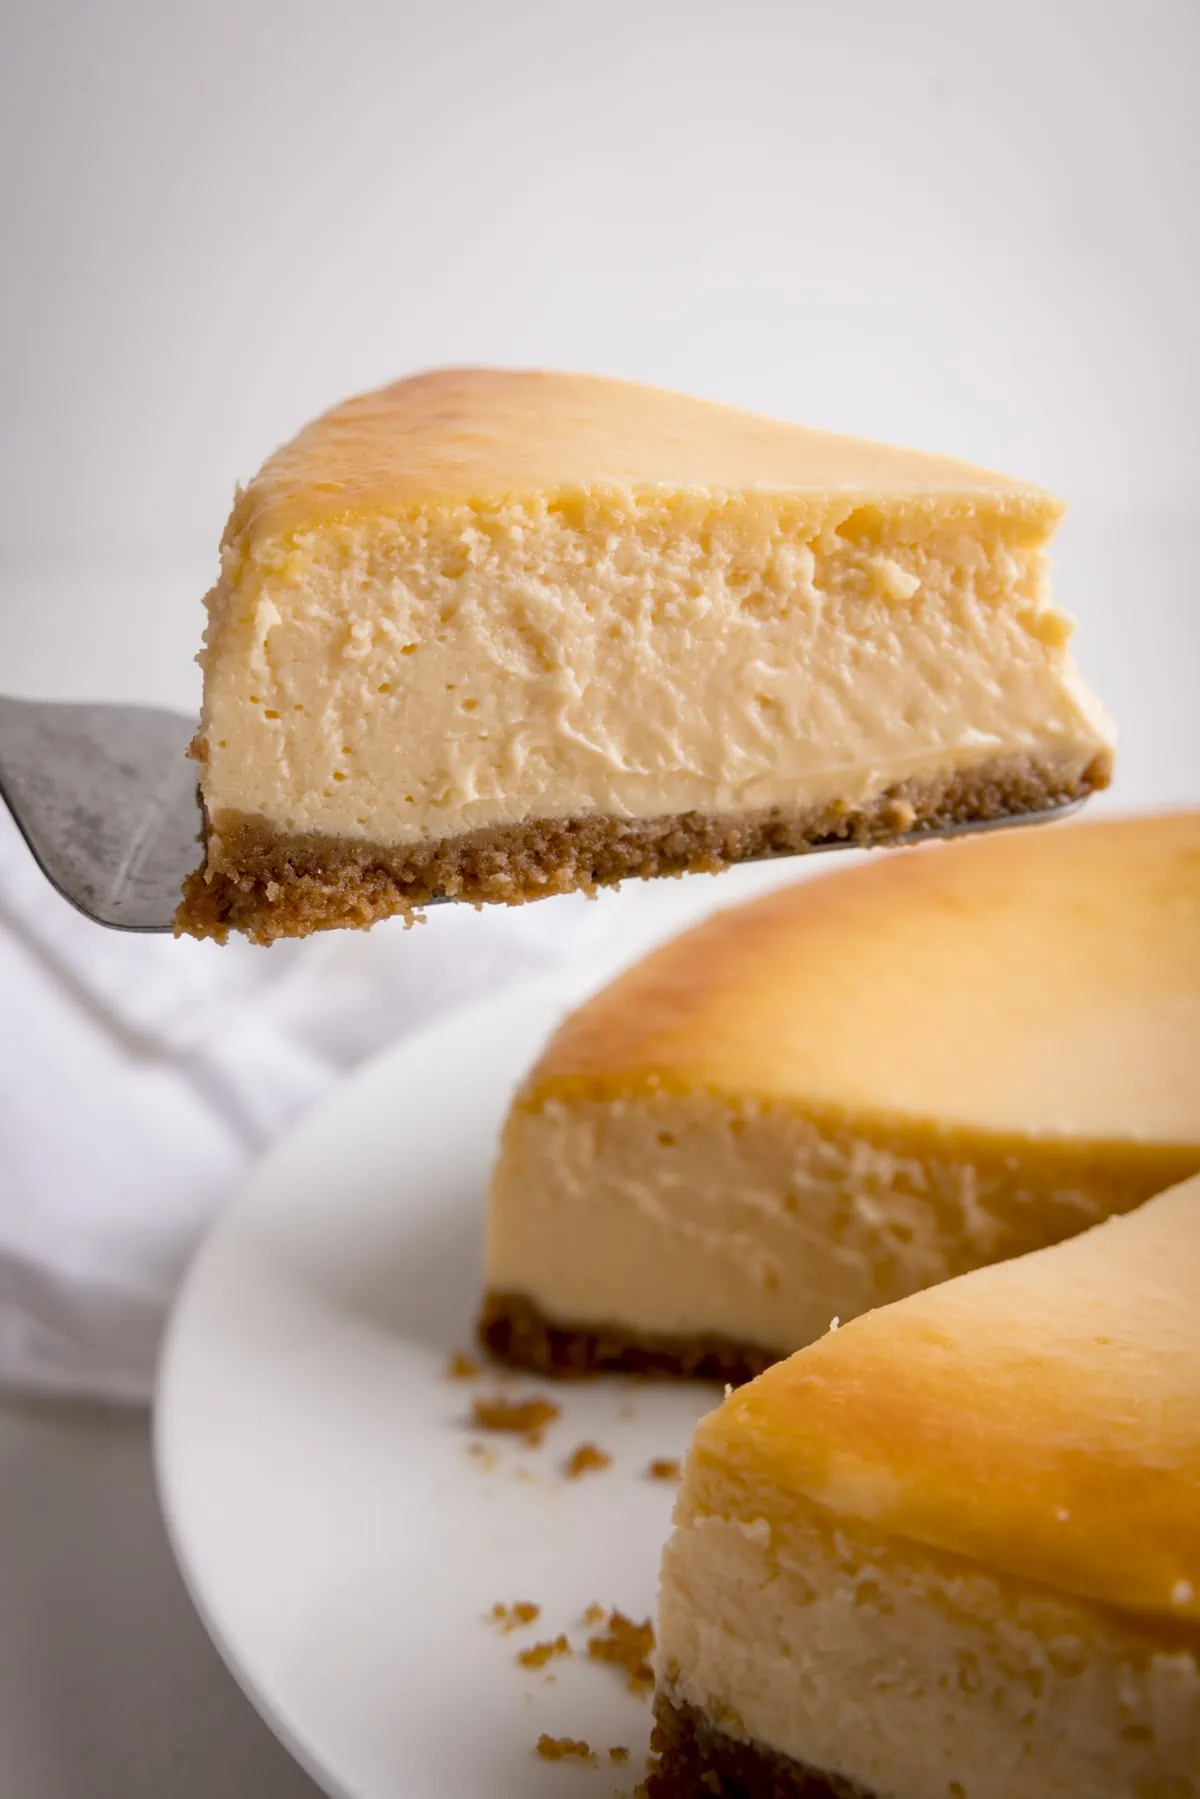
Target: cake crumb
x=523, y=1417
x=538, y=1654
x=483, y=1455
x=586, y=1459
x=512, y=1617
x=462, y=1367
x=594, y=1614
x=561, y=1749
x=664, y=1467
x=618, y=1754
x=628, y=1646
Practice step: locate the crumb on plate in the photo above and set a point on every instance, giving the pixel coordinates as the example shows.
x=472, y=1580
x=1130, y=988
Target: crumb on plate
x=462, y=1367
x=629, y=1646
x=523, y=1417
x=512, y=1617
x=561, y=1749
x=586, y=1459
x=664, y=1467
x=538, y=1654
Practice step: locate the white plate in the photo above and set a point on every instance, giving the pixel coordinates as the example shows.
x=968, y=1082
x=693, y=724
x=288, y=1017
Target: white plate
x=341, y=1541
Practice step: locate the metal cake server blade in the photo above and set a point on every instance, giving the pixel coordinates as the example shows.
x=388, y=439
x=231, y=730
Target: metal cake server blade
x=106, y=799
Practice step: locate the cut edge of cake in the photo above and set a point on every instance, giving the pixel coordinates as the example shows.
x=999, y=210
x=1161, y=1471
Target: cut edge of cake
x=733, y=1140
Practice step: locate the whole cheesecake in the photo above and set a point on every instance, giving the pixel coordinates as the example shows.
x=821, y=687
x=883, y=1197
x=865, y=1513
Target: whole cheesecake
x=849, y=1090
x=954, y=1547
x=492, y=635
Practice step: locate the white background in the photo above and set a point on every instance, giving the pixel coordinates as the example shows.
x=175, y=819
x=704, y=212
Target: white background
x=968, y=227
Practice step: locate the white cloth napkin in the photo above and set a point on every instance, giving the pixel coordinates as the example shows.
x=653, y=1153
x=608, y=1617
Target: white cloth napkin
x=139, y=1077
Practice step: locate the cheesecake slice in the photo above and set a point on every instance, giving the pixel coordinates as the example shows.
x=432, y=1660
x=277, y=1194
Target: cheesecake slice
x=496, y=635
x=844, y=1092
x=953, y=1549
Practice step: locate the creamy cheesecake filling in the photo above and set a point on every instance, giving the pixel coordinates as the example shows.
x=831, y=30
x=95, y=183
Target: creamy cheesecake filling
x=690, y=1215
x=915, y=1673
x=404, y=680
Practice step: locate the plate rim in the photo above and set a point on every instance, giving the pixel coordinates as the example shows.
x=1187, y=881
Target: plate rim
x=563, y=988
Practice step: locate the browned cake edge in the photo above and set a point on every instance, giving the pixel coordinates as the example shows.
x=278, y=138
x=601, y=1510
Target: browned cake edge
x=515, y=1330
x=270, y=884
x=695, y=1760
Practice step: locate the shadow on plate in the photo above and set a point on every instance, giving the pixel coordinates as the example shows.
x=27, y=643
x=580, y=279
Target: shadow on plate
x=413, y=1276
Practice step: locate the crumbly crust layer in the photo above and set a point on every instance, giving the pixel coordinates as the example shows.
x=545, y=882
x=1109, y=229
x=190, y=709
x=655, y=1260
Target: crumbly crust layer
x=516, y=1331
x=268, y=884
x=696, y=1760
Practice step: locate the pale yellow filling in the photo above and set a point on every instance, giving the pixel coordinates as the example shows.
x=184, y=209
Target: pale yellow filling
x=917, y=1674
x=689, y=1215
x=405, y=679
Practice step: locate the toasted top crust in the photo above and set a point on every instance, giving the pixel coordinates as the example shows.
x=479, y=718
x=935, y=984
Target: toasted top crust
x=484, y=435
x=1041, y=1417
x=1041, y=983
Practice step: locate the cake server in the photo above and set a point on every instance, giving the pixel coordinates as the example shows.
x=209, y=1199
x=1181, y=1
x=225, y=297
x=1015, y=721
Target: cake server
x=106, y=799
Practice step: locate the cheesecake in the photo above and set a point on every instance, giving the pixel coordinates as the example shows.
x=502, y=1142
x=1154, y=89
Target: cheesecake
x=849, y=1090
x=493, y=635
x=953, y=1548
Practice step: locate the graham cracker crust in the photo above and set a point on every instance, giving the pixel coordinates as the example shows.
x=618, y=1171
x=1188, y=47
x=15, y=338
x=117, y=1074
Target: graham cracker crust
x=516, y=1331
x=698, y=1761
x=270, y=884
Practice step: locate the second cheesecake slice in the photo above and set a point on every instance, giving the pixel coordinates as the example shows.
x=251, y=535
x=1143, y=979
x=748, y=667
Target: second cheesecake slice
x=952, y=1551
x=496, y=635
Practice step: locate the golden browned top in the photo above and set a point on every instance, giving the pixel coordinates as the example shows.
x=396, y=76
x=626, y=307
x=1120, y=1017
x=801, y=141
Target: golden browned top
x=1042, y=982
x=1041, y=1417
x=487, y=434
